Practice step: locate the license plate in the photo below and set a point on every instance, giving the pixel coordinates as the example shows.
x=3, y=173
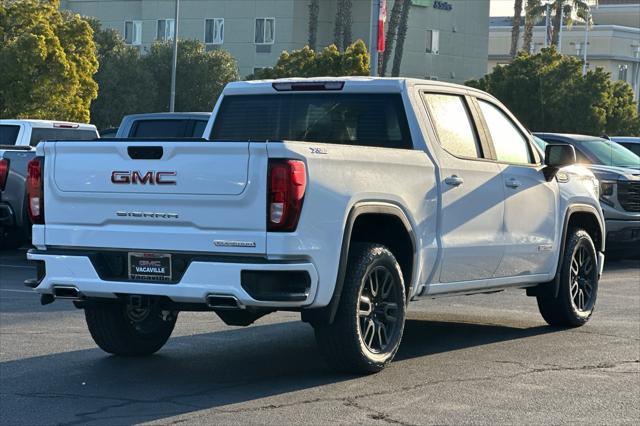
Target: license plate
x=150, y=267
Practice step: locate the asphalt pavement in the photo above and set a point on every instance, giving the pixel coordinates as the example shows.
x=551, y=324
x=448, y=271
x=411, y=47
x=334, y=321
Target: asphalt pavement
x=487, y=359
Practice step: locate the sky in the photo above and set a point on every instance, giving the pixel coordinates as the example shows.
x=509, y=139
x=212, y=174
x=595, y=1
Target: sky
x=501, y=7
x=505, y=7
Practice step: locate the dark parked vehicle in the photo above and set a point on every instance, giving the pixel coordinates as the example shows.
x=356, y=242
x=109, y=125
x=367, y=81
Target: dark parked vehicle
x=164, y=125
x=629, y=142
x=618, y=170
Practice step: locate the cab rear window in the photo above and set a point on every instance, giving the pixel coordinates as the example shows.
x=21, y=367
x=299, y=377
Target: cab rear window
x=9, y=134
x=167, y=128
x=376, y=120
x=42, y=134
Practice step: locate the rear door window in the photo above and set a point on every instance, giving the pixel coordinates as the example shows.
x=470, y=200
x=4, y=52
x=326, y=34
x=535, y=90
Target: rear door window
x=376, y=120
x=453, y=124
x=9, y=134
x=41, y=134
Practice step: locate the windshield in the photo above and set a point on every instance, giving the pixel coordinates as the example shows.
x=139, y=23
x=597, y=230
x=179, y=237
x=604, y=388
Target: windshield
x=542, y=144
x=602, y=151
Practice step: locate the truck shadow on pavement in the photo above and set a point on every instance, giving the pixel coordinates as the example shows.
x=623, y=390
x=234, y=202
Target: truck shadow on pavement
x=205, y=371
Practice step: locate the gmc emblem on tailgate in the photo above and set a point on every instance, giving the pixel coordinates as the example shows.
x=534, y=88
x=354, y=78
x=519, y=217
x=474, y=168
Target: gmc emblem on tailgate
x=150, y=177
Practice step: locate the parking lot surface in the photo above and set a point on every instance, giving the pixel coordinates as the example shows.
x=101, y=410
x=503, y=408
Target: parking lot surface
x=467, y=359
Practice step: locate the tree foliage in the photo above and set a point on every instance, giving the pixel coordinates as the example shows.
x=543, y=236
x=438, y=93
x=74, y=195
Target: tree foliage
x=130, y=82
x=547, y=92
x=566, y=9
x=47, y=62
x=125, y=86
x=330, y=61
x=200, y=76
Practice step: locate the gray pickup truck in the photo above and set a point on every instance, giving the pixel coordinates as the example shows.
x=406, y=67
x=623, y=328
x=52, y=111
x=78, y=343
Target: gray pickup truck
x=618, y=170
x=18, y=139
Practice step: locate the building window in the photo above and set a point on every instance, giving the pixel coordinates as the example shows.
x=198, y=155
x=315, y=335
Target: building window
x=214, y=31
x=622, y=72
x=433, y=41
x=166, y=29
x=133, y=32
x=265, y=30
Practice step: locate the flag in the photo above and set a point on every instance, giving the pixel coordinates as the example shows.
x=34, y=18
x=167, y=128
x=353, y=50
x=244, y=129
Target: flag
x=382, y=18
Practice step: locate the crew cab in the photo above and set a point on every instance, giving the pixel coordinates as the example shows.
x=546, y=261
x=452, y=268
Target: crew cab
x=18, y=139
x=341, y=198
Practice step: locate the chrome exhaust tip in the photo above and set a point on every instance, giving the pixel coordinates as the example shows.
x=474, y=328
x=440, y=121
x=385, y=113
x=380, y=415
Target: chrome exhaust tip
x=66, y=292
x=223, y=301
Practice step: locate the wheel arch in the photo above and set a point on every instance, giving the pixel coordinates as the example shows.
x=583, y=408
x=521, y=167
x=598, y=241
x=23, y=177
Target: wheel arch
x=399, y=237
x=577, y=215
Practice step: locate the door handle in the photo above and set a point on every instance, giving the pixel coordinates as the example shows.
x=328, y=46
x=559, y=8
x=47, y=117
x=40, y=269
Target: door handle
x=513, y=183
x=454, y=180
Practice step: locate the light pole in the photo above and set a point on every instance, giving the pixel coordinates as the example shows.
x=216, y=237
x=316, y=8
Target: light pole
x=560, y=29
x=586, y=43
x=636, y=72
x=174, y=62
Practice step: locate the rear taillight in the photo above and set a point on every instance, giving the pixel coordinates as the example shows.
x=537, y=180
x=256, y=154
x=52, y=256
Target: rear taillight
x=35, y=192
x=287, y=184
x=4, y=173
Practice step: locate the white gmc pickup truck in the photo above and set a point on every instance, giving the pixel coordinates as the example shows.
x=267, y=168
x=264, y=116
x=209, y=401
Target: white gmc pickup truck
x=342, y=198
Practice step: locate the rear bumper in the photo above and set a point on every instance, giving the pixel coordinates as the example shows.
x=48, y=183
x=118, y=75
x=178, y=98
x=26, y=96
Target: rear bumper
x=202, y=278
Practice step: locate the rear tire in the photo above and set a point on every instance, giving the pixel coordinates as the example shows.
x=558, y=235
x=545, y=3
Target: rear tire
x=578, y=290
x=119, y=329
x=12, y=238
x=366, y=332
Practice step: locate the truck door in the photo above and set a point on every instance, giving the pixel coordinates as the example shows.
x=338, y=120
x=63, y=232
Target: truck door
x=472, y=206
x=530, y=212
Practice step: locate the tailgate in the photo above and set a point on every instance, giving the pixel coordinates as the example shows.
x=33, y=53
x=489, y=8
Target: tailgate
x=175, y=196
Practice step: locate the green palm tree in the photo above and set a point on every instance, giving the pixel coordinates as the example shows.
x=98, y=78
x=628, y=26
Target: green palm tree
x=515, y=28
x=392, y=28
x=314, y=10
x=567, y=8
x=533, y=12
x=347, y=21
x=342, y=29
x=403, y=25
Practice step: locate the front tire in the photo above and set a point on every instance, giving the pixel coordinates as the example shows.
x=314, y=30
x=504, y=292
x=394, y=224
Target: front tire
x=121, y=329
x=578, y=290
x=366, y=332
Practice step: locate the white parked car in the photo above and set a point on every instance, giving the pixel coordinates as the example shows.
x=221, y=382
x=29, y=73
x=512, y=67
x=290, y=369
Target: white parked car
x=342, y=198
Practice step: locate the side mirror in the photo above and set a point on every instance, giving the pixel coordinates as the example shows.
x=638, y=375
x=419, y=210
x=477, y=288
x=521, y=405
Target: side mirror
x=557, y=156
